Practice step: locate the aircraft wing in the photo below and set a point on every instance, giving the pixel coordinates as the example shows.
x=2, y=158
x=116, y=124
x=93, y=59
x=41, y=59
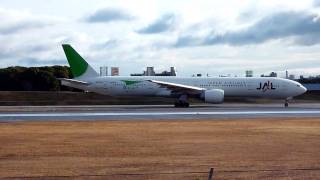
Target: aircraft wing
x=179, y=87
x=73, y=81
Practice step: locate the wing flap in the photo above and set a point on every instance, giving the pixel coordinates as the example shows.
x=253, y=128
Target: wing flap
x=179, y=87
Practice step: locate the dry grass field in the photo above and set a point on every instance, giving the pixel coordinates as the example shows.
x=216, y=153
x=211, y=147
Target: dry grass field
x=242, y=149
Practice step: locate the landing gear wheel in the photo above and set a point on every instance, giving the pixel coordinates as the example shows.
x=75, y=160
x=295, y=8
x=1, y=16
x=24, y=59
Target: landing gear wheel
x=181, y=105
x=286, y=103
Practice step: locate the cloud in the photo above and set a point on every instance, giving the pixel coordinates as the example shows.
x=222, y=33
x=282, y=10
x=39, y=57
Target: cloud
x=20, y=26
x=308, y=40
x=107, y=15
x=277, y=26
x=13, y=21
x=316, y=3
x=165, y=23
x=41, y=62
x=108, y=44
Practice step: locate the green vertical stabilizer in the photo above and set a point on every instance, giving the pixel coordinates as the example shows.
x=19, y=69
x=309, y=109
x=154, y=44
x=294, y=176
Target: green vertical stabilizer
x=77, y=64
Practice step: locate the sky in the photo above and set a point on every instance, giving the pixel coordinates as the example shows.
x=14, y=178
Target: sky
x=205, y=36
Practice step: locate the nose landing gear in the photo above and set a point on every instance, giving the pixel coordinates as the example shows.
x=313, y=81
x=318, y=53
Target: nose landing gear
x=286, y=102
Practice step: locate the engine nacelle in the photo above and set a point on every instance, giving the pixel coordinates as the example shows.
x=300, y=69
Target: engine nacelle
x=214, y=96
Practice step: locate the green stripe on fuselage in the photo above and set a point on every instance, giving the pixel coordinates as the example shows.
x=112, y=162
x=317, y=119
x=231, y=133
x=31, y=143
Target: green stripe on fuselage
x=130, y=82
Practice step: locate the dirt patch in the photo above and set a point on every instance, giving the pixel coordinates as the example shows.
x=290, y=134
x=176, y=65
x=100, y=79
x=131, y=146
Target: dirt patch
x=264, y=148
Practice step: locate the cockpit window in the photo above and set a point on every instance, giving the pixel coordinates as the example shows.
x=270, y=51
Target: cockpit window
x=298, y=85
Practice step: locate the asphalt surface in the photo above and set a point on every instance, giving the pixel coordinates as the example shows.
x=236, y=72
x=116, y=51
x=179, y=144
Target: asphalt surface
x=156, y=112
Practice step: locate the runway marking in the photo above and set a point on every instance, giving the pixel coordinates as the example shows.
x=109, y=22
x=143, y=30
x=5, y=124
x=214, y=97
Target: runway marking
x=154, y=113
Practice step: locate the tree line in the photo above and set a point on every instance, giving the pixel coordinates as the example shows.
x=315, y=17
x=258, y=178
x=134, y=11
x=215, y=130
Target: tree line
x=34, y=78
x=45, y=78
x=310, y=80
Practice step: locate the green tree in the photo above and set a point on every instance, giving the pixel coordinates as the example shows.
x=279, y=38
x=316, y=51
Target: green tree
x=33, y=78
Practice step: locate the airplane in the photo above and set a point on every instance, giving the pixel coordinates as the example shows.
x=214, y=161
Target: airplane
x=209, y=89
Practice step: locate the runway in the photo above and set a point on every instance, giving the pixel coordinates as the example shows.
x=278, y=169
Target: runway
x=157, y=112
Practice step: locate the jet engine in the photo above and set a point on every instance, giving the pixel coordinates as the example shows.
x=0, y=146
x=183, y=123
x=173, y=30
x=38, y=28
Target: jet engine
x=214, y=96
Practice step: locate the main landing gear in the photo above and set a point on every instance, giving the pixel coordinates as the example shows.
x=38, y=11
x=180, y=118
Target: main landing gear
x=182, y=102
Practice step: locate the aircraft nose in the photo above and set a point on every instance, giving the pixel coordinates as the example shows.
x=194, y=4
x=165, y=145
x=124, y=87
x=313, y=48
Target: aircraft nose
x=300, y=89
x=304, y=89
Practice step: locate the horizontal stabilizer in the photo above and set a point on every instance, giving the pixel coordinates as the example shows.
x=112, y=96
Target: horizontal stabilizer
x=74, y=81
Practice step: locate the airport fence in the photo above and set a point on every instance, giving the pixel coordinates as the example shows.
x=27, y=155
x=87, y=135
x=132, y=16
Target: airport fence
x=296, y=173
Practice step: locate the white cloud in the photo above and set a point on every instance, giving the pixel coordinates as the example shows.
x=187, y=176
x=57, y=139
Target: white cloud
x=34, y=30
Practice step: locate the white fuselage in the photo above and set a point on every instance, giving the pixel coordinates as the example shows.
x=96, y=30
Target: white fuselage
x=263, y=87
